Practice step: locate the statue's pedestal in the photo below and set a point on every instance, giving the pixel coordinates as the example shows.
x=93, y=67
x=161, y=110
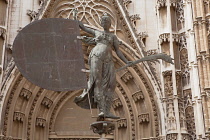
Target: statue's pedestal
x=103, y=128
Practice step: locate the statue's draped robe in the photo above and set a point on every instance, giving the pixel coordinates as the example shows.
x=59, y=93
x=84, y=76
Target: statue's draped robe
x=102, y=80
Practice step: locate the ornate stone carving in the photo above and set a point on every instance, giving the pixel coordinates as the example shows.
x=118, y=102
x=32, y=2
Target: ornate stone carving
x=151, y=52
x=129, y=108
x=40, y=122
x=180, y=11
x=31, y=112
x=182, y=41
x=126, y=3
x=26, y=94
x=8, y=105
x=168, y=86
x=173, y=3
x=18, y=116
x=184, y=61
x=8, y=70
x=117, y=103
x=172, y=136
x=143, y=118
x=47, y=102
x=161, y=3
x=122, y=123
x=127, y=76
x=154, y=108
x=142, y=35
x=190, y=121
x=171, y=119
x=186, y=137
x=3, y=33
x=164, y=38
x=138, y=96
x=7, y=138
x=175, y=37
x=32, y=14
x=135, y=17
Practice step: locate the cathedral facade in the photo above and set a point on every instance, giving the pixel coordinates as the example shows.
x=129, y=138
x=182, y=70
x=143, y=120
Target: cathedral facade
x=154, y=101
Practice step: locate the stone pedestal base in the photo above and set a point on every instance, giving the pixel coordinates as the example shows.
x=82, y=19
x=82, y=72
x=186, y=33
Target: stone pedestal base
x=103, y=128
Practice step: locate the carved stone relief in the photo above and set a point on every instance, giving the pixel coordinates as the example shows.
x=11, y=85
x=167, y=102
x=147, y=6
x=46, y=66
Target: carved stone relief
x=26, y=94
x=161, y=3
x=143, y=118
x=18, y=116
x=180, y=11
x=168, y=88
x=122, y=123
x=32, y=14
x=47, y=102
x=127, y=76
x=172, y=136
x=117, y=103
x=40, y=122
x=138, y=96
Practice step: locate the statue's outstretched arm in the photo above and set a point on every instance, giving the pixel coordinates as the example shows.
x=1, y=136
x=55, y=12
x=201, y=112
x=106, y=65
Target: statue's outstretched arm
x=88, y=30
x=118, y=52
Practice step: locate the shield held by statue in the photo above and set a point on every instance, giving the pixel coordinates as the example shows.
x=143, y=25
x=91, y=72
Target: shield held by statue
x=48, y=53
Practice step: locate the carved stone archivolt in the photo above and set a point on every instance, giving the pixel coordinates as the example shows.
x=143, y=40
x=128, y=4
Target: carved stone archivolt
x=8, y=105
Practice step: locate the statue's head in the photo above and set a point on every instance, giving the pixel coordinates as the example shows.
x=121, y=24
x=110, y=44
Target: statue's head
x=105, y=21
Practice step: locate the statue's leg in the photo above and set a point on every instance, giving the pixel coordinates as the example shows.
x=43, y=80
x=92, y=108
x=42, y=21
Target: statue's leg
x=96, y=75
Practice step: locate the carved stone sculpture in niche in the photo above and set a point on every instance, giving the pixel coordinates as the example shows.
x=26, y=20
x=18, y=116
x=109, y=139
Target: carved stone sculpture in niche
x=171, y=119
x=185, y=67
x=168, y=85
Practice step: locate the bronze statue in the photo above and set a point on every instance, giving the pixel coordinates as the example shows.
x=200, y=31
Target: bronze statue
x=102, y=81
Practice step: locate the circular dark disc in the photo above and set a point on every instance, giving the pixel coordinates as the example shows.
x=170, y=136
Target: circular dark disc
x=48, y=53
